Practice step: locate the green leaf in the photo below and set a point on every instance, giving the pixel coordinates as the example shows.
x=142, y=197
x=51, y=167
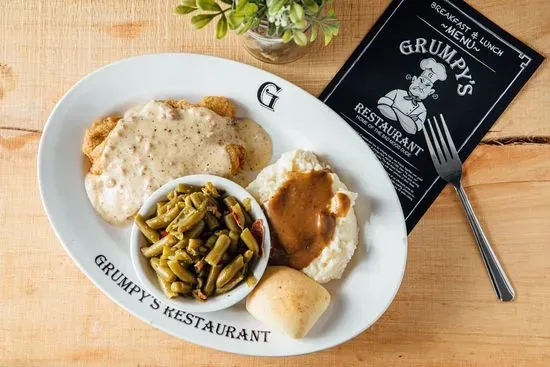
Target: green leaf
x=221, y=27
x=311, y=6
x=201, y=20
x=245, y=27
x=332, y=29
x=189, y=3
x=336, y=29
x=300, y=25
x=208, y=5
x=250, y=9
x=328, y=38
x=234, y=20
x=296, y=13
x=300, y=38
x=314, y=33
x=276, y=7
x=182, y=9
x=241, y=4
x=287, y=36
x=228, y=2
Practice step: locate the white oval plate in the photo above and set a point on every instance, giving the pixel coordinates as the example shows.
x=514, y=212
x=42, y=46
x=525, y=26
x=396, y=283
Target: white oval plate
x=294, y=119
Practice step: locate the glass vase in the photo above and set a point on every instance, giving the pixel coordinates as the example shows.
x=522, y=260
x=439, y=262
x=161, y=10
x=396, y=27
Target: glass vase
x=272, y=50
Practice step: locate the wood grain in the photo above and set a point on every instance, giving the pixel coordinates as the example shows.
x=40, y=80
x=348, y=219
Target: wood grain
x=445, y=313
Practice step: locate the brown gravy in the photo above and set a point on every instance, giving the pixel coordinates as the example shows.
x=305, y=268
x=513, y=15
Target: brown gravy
x=343, y=204
x=300, y=218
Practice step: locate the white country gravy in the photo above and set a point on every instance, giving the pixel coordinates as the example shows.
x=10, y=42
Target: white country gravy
x=154, y=143
x=257, y=144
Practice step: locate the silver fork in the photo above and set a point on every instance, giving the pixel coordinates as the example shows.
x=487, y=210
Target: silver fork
x=449, y=167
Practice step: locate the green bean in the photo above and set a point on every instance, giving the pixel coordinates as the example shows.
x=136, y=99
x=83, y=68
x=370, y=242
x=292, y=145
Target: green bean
x=193, y=246
x=166, y=252
x=192, y=219
x=234, y=236
x=150, y=234
x=208, y=244
x=156, y=248
x=162, y=270
x=181, y=244
x=167, y=205
x=214, y=256
x=211, y=280
x=211, y=221
x=160, y=206
x=219, y=232
x=231, y=223
x=154, y=261
x=165, y=286
x=163, y=262
x=250, y=241
x=189, y=201
x=211, y=241
x=197, y=198
x=181, y=272
x=210, y=189
x=233, y=282
x=247, y=204
x=181, y=287
x=238, y=215
x=185, y=211
x=182, y=256
x=173, y=227
x=164, y=220
x=172, y=195
x=229, y=271
x=185, y=189
x=200, y=283
x=248, y=255
x=196, y=231
x=229, y=201
x=172, y=203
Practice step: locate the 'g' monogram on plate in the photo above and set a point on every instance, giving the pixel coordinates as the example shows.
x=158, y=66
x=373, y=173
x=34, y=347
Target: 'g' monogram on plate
x=267, y=95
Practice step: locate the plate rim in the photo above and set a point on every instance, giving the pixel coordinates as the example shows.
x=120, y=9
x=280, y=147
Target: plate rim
x=208, y=344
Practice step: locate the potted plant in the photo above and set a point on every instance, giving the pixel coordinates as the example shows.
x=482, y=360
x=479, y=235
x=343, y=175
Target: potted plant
x=274, y=31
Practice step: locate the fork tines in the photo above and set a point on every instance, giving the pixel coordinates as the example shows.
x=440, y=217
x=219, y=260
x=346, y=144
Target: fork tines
x=442, y=149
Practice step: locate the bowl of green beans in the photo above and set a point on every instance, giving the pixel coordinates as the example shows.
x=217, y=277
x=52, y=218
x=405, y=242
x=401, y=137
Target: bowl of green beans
x=200, y=243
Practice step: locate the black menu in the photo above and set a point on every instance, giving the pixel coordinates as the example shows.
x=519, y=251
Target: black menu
x=426, y=60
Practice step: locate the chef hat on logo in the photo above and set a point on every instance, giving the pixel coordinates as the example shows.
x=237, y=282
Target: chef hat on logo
x=433, y=70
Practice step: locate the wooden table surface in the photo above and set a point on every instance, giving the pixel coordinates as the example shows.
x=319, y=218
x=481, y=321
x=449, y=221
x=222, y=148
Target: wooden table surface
x=445, y=313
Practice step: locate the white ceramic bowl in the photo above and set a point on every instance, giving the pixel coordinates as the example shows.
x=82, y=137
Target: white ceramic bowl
x=147, y=275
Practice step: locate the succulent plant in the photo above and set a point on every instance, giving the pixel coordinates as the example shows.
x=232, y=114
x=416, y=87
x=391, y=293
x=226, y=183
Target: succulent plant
x=300, y=21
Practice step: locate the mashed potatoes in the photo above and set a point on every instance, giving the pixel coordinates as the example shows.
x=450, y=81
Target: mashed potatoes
x=335, y=256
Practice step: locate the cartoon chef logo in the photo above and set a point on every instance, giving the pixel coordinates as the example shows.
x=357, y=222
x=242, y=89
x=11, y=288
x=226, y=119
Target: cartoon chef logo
x=406, y=106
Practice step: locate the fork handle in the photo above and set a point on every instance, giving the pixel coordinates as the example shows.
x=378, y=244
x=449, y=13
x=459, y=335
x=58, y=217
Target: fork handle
x=504, y=290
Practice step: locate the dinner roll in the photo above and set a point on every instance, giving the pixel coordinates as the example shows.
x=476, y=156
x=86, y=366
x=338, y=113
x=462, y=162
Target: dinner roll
x=288, y=300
